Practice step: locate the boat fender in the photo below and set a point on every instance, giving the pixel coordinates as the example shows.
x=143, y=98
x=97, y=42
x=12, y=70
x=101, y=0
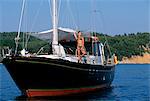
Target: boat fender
x=115, y=60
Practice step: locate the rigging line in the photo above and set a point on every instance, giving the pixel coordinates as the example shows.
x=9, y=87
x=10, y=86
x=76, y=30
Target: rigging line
x=42, y=48
x=50, y=8
x=25, y=25
x=91, y=16
x=26, y=41
x=102, y=22
x=59, y=11
x=23, y=40
x=107, y=44
x=20, y=23
x=35, y=18
x=78, y=16
x=70, y=10
x=92, y=23
x=103, y=27
x=102, y=17
x=61, y=20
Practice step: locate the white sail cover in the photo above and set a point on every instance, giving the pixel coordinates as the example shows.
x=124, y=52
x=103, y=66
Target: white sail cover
x=63, y=34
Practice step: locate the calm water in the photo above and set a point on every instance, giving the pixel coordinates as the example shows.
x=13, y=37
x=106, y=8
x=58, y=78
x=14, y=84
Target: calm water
x=131, y=83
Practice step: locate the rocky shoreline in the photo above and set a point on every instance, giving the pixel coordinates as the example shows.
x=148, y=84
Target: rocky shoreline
x=145, y=59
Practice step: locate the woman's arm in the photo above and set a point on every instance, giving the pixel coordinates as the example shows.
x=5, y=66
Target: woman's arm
x=75, y=35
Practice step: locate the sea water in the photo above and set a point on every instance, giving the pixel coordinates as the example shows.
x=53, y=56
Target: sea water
x=131, y=83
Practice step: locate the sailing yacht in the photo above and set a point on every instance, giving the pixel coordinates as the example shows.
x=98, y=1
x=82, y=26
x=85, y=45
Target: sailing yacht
x=60, y=74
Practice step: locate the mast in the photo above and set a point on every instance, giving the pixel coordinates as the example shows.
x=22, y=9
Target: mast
x=55, y=23
x=57, y=49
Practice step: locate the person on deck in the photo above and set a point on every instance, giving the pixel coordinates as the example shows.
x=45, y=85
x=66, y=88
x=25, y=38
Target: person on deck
x=80, y=45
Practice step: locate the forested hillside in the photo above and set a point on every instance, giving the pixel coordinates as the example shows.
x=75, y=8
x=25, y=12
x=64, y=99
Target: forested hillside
x=127, y=45
x=8, y=39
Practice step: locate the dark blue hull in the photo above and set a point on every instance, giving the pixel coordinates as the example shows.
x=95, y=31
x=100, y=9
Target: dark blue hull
x=42, y=73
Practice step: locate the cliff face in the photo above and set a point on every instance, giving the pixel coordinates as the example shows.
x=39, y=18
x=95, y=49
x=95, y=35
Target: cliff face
x=145, y=59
